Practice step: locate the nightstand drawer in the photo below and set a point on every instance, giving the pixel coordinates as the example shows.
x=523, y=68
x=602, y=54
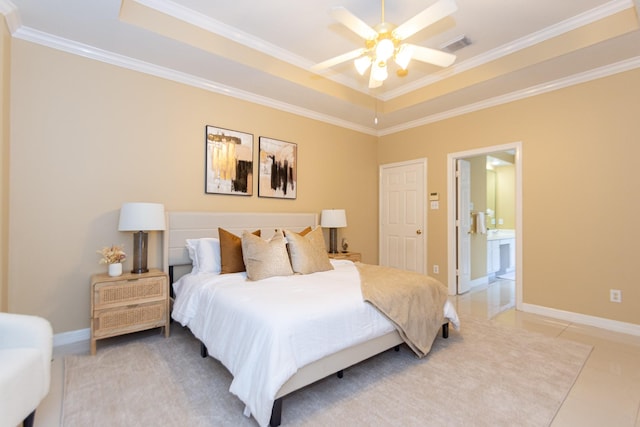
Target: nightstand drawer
x=115, y=294
x=121, y=320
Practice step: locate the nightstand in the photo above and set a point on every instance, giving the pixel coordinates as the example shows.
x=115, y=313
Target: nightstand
x=128, y=303
x=351, y=256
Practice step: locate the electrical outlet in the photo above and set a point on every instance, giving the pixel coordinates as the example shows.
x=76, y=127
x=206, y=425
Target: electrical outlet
x=436, y=269
x=615, y=295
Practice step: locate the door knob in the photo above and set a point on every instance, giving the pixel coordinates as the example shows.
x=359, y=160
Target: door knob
x=418, y=232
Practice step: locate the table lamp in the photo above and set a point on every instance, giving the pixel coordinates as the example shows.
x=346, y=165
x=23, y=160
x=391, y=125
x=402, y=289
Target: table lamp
x=141, y=217
x=333, y=219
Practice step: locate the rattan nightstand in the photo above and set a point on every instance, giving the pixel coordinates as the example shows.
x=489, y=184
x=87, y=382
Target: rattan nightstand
x=351, y=256
x=128, y=303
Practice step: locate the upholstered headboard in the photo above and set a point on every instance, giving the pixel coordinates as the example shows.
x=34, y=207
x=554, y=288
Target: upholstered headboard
x=192, y=225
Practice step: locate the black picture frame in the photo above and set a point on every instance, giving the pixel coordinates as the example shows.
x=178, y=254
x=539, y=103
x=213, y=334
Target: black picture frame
x=228, y=162
x=278, y=169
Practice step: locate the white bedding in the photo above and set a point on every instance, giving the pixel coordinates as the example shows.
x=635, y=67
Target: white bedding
x=264, y=331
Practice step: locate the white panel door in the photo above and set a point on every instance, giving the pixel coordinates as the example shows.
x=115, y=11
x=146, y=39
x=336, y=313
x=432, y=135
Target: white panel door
x=402, y=215
x=463, y=222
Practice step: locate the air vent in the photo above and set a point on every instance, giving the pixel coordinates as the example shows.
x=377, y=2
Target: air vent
x=456, y=44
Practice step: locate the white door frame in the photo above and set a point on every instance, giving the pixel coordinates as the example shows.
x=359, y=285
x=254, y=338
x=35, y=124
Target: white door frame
x=424, y=163
x=451, y=210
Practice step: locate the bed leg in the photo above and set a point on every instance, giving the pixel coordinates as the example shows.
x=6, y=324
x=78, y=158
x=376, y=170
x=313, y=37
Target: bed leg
x=203, y=350
x=276, y=413
x=340, y=373
x=445, y=330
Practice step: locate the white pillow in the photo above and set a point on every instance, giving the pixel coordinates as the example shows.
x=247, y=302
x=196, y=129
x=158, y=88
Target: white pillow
x=265, y=259
x=205, y=255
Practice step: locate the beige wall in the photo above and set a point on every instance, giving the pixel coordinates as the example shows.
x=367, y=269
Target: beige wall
x=580, y=175
x=87, y=136
x=5, y=53
x=505, y=197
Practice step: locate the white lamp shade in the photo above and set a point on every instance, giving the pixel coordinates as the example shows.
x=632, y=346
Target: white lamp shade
x=142, y=217
x=333, y=218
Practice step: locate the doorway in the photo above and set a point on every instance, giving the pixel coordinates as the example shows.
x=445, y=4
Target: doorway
x=456, y=249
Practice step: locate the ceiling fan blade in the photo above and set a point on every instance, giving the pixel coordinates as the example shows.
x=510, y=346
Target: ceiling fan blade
x=338, y=59
x=432, y=56
x=433, y=13
x=353, y=23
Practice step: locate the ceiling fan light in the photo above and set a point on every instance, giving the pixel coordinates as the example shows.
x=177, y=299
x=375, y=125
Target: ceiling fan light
x=362, y=64
x=384, y=49
x=404, y=56
x=379, y=71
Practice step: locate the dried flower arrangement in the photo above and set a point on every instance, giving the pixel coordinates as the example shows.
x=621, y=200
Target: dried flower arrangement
x=112, y=255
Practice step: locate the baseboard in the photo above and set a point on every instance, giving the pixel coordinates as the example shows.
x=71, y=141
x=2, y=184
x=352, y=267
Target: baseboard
x=584, y=319
x=71, y=337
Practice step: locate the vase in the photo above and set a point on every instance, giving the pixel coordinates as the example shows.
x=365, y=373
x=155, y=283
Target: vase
x=115, y=269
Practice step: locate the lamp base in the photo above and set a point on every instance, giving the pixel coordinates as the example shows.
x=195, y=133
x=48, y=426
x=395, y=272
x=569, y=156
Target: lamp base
x=333, y=240
x=140, y=253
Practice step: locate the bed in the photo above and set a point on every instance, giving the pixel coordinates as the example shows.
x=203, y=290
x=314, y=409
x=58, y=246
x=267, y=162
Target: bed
x=306, y=343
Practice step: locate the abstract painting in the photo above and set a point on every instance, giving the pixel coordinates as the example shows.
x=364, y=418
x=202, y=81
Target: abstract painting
x=229, y=162
x=278, y=169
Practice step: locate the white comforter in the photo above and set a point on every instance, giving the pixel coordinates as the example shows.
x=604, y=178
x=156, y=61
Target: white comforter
x=264, y=331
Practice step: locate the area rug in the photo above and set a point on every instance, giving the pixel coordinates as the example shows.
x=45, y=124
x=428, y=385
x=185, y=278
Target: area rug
x=485, y=375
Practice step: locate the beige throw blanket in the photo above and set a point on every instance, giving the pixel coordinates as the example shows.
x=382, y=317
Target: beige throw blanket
x=413, y=302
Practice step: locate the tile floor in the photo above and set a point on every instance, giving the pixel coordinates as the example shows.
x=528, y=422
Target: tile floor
x=607, y=392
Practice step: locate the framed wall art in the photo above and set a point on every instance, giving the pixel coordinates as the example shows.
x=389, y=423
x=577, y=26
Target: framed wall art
x=229, y=162
x=278, y=169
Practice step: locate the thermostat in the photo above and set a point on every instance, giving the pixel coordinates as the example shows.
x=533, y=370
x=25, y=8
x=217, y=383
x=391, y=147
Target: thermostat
x=434, y=196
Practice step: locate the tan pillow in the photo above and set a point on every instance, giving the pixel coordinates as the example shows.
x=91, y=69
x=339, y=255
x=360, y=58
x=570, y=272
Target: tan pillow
x=231, y=252
x=306, y=231
x=265, y=258
x=308, y=253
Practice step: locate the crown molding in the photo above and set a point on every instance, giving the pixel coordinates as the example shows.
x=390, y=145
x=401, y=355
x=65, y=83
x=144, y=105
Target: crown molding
x=586, y=76
x=90, y=52
x=207, y=23
x=11, y=15
x=6, y=6
x=214, y=26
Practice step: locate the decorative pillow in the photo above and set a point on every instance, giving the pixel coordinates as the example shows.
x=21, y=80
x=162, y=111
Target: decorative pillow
x=265, y=258
x=205, y=255
x=308, y=253
x=231, y=251
x=306, y=231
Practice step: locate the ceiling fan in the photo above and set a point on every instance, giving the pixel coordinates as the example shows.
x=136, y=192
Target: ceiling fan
x=385, y=42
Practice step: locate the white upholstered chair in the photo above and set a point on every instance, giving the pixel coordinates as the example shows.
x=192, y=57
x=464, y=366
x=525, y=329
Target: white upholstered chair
x=26, y=344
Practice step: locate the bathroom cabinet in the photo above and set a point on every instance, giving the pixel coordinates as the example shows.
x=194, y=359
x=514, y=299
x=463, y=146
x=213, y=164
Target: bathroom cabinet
x=501, y=251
